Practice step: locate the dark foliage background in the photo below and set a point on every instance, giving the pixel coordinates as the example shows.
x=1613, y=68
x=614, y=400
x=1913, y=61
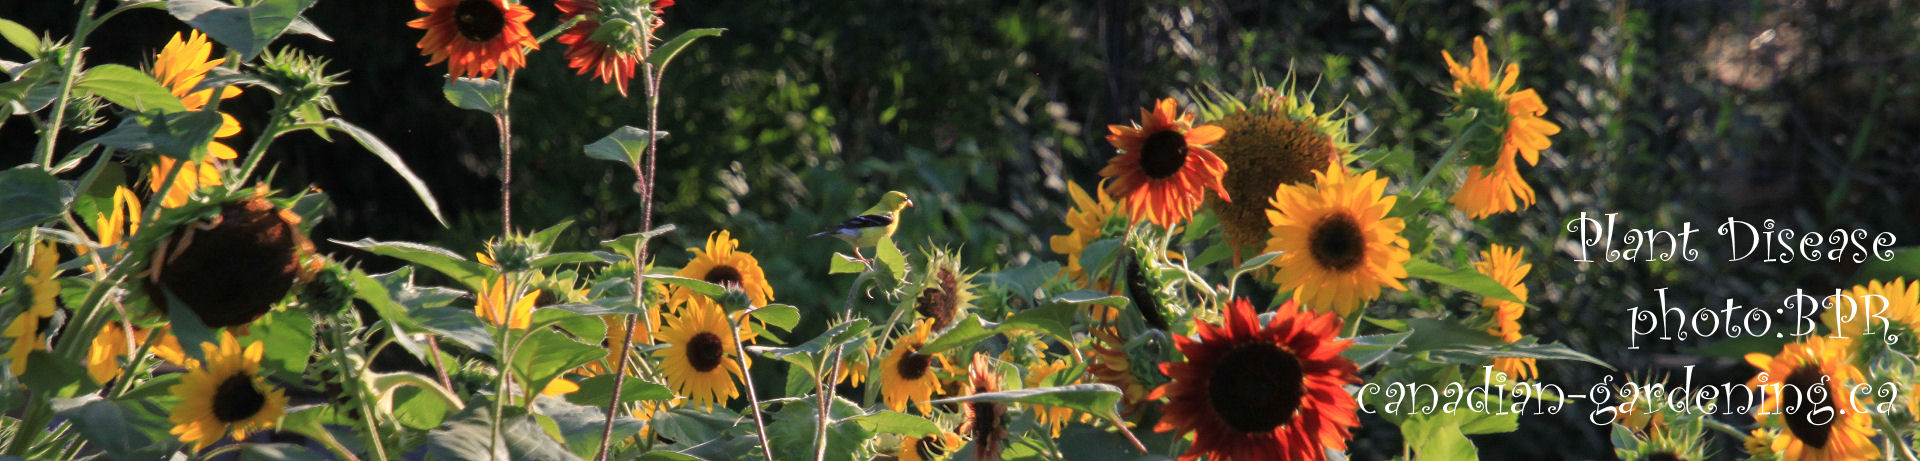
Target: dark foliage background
x=982, y=110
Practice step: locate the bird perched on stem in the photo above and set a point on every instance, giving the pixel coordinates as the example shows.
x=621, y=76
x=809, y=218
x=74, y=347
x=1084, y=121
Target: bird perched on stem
x=873, y=225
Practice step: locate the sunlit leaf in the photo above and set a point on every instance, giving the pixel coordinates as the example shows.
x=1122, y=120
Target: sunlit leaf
x=247, y=30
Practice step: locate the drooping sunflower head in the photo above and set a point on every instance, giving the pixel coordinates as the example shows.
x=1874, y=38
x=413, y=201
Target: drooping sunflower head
x=1273, y=137
x=907, y=375
x=1164, y=168
x=1504, y=123
x=856, y=362
x=1110, y=363
x=1254, y=392
x=947, y=292
x=1340, y=246
x=235, y=266
x=721, y=263
x=1809, y=384
x=1088, y=221
x=225, y=395
x=475, y=37
x=698, y=359
x=501, y=303
x=1897, y=301
x=610, y=37
x=1507, y=266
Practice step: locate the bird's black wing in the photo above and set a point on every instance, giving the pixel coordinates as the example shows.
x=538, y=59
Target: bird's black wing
x=865, y=221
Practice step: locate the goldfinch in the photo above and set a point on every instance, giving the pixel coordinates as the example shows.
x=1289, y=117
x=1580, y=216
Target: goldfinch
x=873, y=225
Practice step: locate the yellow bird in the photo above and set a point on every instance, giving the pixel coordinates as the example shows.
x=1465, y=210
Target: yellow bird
x=873, y=225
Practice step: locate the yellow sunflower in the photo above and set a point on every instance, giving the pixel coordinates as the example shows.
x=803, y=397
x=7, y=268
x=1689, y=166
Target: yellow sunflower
x=1515, y=116
x=114, y=228
x=721, y=263
x=227, y=396
x=1340, y=246
x=1505, y=265
x=1088, y=219
x=1164, y=168
x=929, y=448
x=1809, y=384
x=181, y=65
x=1897, y=301
x=1054, y=418
x=853, y=370
x=28, y=330
x=493, y=305
x=1272, y=138
x=698, y=359
x=906, y=374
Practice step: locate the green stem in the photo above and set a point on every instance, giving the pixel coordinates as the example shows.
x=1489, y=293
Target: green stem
x=71, y=59
x=644, y=186
x=1453, y=151
x=276, y=124
x=753, y=397
x=1893, y=438
x=504, y=121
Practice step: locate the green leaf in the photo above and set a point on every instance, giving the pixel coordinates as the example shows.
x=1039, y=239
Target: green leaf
x=279, y=452
x=1254, y=263
x=582, y=425
x=247, y=30
x=1095, y=399
x=457, y=324
x=1437, y=437
x=1460, y=344
x=624, y=145
x=129, y=88
x=469, y=273
x=1465, y=279
x=1369, y=349
x=700, y=287
x=1023, y=280
x=1099, y=254
x=185, y=325
x=386, y=154
x=55, y=376
x=32, y=196
x=671, y=48
x=843, y=264
x=469, y=436
x=890, y=258
x=596, y=390
x=21, y=37
x=123, y=429
x=779, y=315
x=893, y=422
x=840, y=334
x=546, y=354
x=1084, y=297
x=485, y=95
x=1054, y=318
x=419, y=409
x=964, y=332
x=289, y=337
x=624, y=244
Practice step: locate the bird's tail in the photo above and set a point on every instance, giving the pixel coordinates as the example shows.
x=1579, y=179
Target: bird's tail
x=823, y=234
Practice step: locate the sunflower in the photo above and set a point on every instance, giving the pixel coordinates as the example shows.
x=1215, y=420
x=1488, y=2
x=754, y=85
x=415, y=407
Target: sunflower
x=1252, y=393
x=475, y=37
x=103, y=355
x=235, y=267
x=698, y=359
x=981, y=420
x=930, y=447
x=181, y=65
x=608, y=40
x=1504, y=265
x=1815, y=375
x=721, y=263
x=1088, y=219
x=853, y=370
x=227, y=395
x=1164, y=166
x=1272, y=138
x=494, y=306
x=1897, y=301
x=29, y=329
x=1496, y=187
x=906, y=374
x=1340, y=246
x=616, y=342
x=947, y=292
x=1109, y=363
x=1052, y=417
x=114, y=228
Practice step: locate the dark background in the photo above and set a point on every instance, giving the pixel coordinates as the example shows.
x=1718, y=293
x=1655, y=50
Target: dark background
x=804, y=112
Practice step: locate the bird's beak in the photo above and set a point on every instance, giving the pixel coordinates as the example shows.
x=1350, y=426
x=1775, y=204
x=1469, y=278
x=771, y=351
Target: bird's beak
x=909, y=202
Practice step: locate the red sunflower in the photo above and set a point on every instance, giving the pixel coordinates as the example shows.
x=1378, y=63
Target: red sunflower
x=1252, y=393
x=475, y=37
x=608, y=41
x=1164, y=167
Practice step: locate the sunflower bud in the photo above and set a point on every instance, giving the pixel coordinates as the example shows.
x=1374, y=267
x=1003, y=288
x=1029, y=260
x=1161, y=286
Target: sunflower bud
x=513, y=254
x=735, y=300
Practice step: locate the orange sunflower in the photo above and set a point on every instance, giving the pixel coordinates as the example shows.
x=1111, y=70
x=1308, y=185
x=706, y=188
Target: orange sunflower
x=608, y=40
x=1506, y=266
x=1516, y=116
x=475, y=37
x=1164, y=167
x=1252, y=393
x=1807, y=392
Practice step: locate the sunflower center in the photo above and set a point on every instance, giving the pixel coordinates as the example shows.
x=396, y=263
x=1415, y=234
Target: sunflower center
x=1799, y=414
x=704, y=351
x=913, y=365
x=986, y=420
x=929, y=447
x=1256, y=388
x=479, y=20
x=237, y=399
x=726, y=277
x=1163, y=153
x=1337, y=242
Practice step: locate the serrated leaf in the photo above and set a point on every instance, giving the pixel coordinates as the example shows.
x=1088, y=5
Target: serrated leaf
x=1023, y=280
x=1099, y=400
x=457, y=324
x=545, y=354
x=471, y=274
x=392, y=159
x=893, y=422
x=1053, y=318
x=247, y=30
x=1369, y=349
x=1461, y=344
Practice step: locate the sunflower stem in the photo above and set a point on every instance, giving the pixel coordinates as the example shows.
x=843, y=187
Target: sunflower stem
x=1453, y=151
x=71, y=59
x=504, y=121
x=1122, y=426
x=829, y=374
x=1893, y=438
x=644, y=186
x=746, y=378
x=276, y=125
